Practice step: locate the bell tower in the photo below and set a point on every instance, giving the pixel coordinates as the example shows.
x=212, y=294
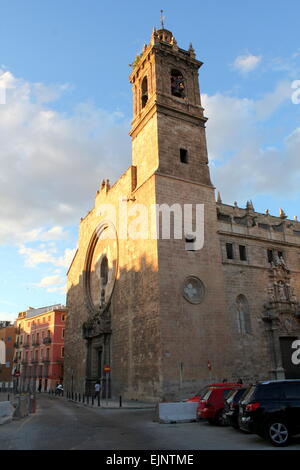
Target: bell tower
x=168, y=127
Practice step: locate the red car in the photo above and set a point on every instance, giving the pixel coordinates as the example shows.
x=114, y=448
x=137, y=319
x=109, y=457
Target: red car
x=211, y=406
x=204, y=390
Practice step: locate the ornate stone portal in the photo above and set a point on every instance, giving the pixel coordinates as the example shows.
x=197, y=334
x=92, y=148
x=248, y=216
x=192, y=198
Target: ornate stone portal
x=281, y=314
x=101, y=266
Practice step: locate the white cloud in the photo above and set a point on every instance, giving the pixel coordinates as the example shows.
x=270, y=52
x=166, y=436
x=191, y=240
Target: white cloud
x=34, y=257
x=53, y=163
x=244, y=164
x=53, y=284
x=50, y=281
x=247, y=63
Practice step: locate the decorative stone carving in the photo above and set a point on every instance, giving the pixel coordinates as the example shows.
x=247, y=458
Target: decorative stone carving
x=281, y=297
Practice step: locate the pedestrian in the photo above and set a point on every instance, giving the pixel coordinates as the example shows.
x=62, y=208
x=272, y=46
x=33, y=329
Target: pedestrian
x=97, y=389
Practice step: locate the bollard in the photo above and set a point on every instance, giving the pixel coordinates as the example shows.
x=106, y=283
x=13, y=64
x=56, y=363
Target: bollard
x=99, y=399
x=120, y=401
x=32, y=404
x=75, y=396
x=83, y=398
x=79, y=397
x=93, y=400
x=87, y=400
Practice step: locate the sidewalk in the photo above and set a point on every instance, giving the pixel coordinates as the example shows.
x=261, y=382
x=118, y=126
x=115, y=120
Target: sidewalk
x=110, y=404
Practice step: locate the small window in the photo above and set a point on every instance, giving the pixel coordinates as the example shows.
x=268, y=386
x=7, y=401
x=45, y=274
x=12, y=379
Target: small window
x=62, y=352
x=63, y=318
x=104, y=271
x=229, y=250
x=270, y=256
x=183, y=156
x=243, y=254
x=280, y=254
x=177, y=84
x=144, y=90
x=243, y=315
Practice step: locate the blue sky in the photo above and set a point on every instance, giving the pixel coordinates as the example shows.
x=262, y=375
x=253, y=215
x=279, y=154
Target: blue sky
x=64, y=127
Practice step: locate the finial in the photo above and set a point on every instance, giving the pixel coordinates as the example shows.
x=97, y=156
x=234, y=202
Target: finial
x=282, y=214
x=295, y=218
x=162, y=19
x=219, y=200
x=192, y=50
x=235, y=204
x=249, y=206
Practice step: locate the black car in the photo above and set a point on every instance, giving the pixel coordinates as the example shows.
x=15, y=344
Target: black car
x=272, y=410
x=232, y=406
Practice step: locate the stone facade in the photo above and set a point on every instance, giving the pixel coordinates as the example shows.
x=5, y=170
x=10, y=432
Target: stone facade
x=153, y=309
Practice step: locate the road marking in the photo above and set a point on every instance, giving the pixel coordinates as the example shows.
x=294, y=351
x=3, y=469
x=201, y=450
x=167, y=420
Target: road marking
x=25, y=422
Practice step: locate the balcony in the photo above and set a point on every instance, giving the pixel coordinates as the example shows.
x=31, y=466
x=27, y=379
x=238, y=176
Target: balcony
x=16, y=345
x=46, y=360
x=35, y=343
x=34, y=361
x=47, y=340
x=26, y=345
x=24, y=362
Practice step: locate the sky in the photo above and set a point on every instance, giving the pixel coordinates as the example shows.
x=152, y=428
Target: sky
x=64, y=122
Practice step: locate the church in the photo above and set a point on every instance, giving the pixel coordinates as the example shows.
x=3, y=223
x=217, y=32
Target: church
x=163, y=314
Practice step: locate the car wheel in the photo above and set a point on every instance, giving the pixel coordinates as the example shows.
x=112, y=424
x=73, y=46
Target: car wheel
x=221, y=418
x=277, y=432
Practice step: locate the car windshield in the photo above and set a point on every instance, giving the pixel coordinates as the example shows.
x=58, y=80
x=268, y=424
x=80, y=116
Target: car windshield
x=226, y=393
x=202, y=392
x=249, y=393
x=206, y=395
x=239, y=394
x=231, y=395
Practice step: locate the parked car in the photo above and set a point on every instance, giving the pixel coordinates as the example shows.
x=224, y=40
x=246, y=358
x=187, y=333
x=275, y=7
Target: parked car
x=211, y=406
x=203, y=391
x=272, y=410
x=231, y=406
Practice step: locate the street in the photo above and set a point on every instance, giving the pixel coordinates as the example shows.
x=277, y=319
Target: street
x=62, y=425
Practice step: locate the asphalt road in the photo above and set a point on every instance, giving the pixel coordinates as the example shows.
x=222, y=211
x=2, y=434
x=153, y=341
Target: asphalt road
x=62, y=425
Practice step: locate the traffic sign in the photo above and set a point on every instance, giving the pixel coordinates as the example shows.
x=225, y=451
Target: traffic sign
x=106, y=369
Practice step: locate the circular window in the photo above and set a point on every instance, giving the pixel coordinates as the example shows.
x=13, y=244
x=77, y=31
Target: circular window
x=193, y=290
x=101, y=266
